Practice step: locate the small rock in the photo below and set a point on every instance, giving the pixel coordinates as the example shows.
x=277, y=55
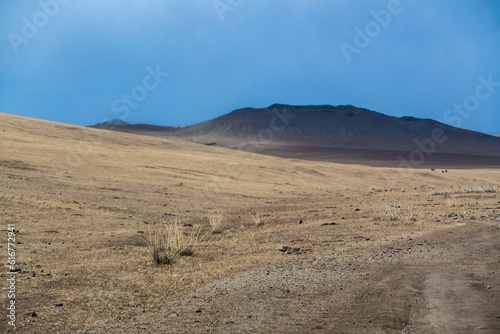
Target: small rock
x=300, y=221
x=326, y=224
x=173, y=315
x=488, y=287
x=58, y=304
x=229, y=322
x=357, y=210
x=32, y=314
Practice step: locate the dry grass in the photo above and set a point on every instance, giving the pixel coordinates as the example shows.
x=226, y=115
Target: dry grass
x=455, y=202
x=397, y=214
x=166, y=244
x=440, y=192
x=216, y=223
x=475, y=190
x=466, y=190
x=257, y=219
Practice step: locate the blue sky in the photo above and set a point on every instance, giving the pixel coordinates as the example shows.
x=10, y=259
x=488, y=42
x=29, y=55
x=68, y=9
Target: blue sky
x=174, y=62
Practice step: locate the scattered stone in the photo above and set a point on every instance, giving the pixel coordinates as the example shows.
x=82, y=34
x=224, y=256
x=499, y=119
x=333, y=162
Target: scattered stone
x=288, y=250
x=300, y=221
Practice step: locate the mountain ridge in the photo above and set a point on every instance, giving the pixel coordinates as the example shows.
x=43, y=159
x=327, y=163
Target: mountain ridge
x=323, y=126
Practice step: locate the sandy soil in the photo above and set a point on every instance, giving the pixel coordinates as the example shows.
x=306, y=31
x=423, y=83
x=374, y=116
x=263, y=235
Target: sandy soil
x=381, y=250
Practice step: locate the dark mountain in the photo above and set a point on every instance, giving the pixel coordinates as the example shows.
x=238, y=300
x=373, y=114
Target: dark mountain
x=113, y=122
x=323, y=132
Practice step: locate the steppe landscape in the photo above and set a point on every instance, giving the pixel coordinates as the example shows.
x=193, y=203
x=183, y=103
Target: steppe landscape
x=303, y=246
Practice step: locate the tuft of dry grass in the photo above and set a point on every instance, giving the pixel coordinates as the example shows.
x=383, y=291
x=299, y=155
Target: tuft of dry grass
x=439, y=192
x=466, y=190
x=455, y=202
x=475, y=190
x=257, y=219
x=397, y=214
x=216, y=223
x=166, y=244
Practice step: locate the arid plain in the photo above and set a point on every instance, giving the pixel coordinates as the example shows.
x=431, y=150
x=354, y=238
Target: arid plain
x=381, y=250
